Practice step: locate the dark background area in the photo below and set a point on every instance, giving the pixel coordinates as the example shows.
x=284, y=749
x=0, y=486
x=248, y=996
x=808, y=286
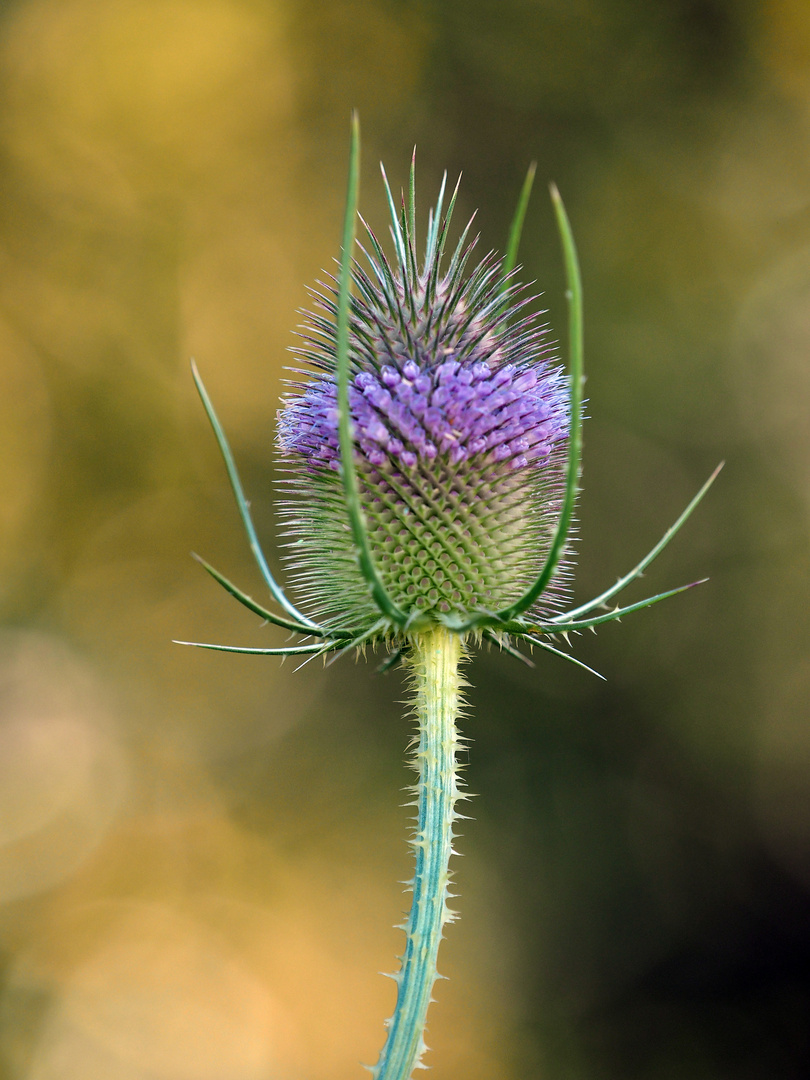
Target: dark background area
x=199, y=853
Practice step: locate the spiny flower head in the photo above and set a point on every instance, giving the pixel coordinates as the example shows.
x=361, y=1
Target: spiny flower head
x=460, y=423
x=434, y=453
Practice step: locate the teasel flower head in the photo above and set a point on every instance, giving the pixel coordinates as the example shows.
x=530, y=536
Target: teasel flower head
x=460, y=422
x=432, y=449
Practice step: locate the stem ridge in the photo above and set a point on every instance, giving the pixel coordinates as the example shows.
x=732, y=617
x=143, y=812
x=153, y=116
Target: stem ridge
x=434, y=660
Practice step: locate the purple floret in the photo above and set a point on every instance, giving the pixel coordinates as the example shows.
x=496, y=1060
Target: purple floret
x=457, y=410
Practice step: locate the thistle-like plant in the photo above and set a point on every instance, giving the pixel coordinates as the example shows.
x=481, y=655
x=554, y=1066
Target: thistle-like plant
x=433, y=450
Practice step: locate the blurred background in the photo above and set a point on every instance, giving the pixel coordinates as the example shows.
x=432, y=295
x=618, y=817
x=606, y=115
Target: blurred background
x=199, y=853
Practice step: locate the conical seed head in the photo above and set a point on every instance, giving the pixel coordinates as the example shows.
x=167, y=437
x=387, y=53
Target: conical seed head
x=460, y=422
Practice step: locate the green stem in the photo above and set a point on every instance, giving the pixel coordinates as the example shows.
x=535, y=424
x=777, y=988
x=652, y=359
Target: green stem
x=434, y=661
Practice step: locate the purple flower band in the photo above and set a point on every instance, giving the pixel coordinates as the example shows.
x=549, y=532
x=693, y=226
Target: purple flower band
x=454, y=410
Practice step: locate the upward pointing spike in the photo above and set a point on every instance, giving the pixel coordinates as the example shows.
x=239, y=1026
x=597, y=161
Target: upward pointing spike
x=435, y=221
x=396, y=225
x=516, y=228
x=412, y=197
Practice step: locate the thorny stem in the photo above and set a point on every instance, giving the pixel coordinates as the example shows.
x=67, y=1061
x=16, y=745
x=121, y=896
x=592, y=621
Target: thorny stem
x=434, y=661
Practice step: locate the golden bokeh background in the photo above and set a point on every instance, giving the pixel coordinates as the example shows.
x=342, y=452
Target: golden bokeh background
x=199, y=853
